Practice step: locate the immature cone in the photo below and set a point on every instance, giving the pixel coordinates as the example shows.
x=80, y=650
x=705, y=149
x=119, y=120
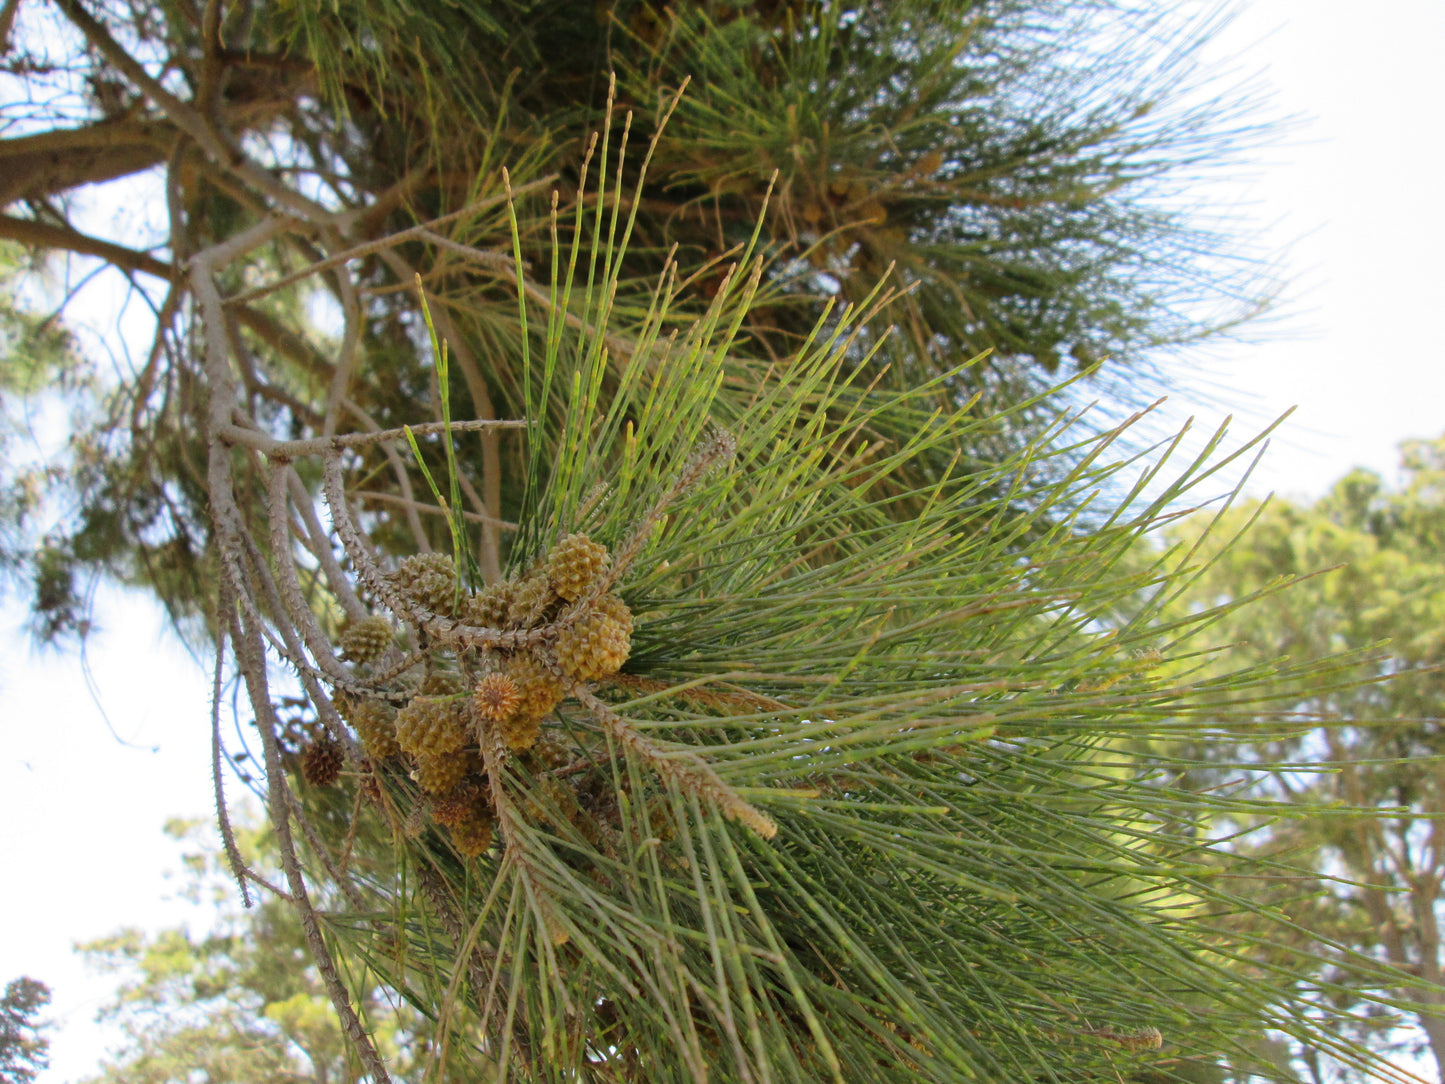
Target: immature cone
x=456, y=805
x=473, y=836
x=532, y=597
x=322, y=762
x=574, y=563
x=432, y=726
x=374, y=722
x=598, y=644
x=429, y=580
x=366, y=640
x=538, y=692
x=496, y=697
x=488, y=608
x=443, y=774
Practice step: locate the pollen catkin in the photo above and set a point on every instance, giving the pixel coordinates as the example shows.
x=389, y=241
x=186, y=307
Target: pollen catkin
x=532, y=597
x=1143, y=1039
x=442, y=774
x=598, y=644
x=496, y=697
x=488, y=608
x=472, y=836
x=574, y=563
x=366, y=640
x=429, y=580
x=432, y=726
x=374, y=722
x=322, y=762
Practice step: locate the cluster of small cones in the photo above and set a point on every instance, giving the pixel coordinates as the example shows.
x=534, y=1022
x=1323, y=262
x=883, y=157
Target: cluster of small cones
x=582, y=632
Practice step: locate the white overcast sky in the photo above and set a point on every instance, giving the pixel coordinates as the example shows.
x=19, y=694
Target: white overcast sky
x=1353, y=198
x=1355, y=195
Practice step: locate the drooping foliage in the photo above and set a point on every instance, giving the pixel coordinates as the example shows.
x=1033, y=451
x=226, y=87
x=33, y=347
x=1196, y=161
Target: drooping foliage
x=1010, y=158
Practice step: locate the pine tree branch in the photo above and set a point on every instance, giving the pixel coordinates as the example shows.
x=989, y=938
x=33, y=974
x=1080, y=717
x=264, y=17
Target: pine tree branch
x=382, y=244
x=220, y=149
x=319, y=544
x=295, y=449
x=33, y=167
x=43, y=235
x=251, y=657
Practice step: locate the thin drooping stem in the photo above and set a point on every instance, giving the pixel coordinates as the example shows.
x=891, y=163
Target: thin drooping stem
x=251, y=656
x=323, y=855
x=223, y=816
x=297, y=449
x=318, y=543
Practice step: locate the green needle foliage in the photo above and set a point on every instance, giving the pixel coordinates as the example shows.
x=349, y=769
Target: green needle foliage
x=1023, y=164
x=856, y=806
x=685, y=677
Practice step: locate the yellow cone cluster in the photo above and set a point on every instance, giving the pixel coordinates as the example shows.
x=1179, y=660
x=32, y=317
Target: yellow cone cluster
x=429, y=580
x=374, y=722
x=532, y=600
x=366, y=640
x=538, y=691
x=443, y=773
x=597, y=644
x=489, y=608
x=456, y=805
x=574, y=563
x=472, y=836
x=570, y=630
x=432, y=726
x=586, y=646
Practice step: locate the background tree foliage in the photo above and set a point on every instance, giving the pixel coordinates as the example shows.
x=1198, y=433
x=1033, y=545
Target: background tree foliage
x=23, y=1047
x=827, y=780
x=1358, y=571
x=239, y=1004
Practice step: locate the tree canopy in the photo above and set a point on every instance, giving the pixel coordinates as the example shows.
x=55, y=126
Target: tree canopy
x=240, y=1003
x=1358, y=571
x=23, y=1047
